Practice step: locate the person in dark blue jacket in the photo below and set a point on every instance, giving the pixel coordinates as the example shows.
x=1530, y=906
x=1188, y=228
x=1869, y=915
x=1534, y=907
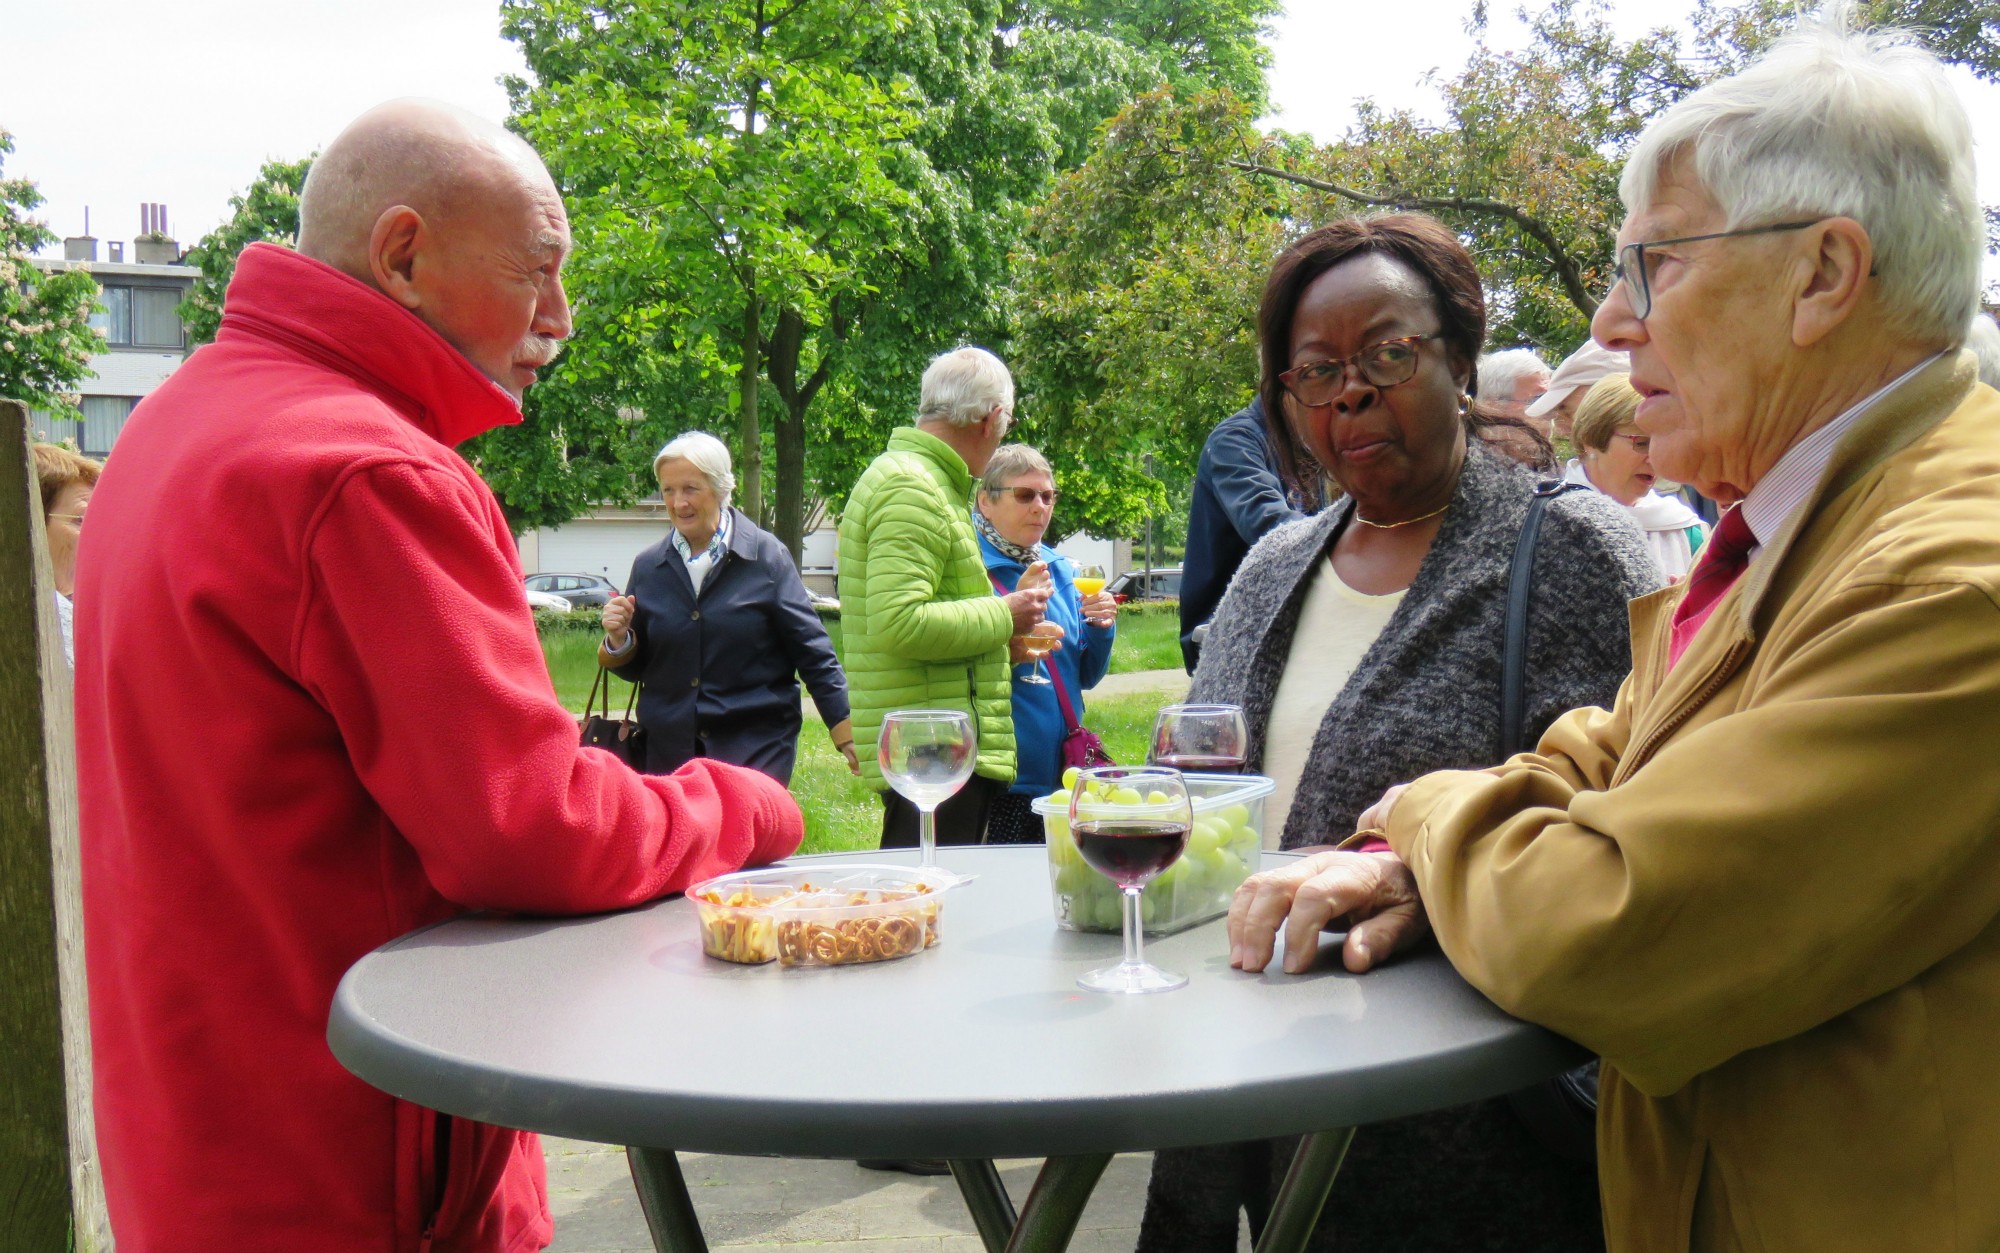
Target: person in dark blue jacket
x=1011, y=512
x=716, y=623
x=1238, y=497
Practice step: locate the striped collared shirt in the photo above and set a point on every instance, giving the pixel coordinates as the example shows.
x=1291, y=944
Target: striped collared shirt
x=1785, y=490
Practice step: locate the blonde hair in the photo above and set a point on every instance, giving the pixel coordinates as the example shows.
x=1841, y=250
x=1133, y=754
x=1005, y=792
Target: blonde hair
x=57, y=467
x=1609, y=404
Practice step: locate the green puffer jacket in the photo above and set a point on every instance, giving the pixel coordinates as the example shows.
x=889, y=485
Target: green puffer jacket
x=920, y=625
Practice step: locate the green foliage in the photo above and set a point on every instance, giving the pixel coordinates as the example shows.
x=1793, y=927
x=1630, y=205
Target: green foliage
x=267, y=212
x=46, y=340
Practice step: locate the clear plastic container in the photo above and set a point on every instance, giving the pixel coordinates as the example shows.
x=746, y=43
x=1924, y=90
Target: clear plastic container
x=836, y=915
x=1223, y=851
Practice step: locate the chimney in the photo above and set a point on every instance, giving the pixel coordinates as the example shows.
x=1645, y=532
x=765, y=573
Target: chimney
x=154, y=246
x=117, y=247
x=81, y=247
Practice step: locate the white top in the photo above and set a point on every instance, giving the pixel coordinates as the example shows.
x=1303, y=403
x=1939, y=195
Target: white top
x=700, y=563
x=1664, y=519
x=1780, y=494
x=66, y=614
x=1337, y=625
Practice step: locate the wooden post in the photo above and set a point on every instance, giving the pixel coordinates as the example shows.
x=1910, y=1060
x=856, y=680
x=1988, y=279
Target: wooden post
x=49, y=1178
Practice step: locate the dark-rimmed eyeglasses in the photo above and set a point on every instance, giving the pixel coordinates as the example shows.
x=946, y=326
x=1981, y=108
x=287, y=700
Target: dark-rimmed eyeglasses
x=1029, y=495
x=1633, y=271
x=1385, y=364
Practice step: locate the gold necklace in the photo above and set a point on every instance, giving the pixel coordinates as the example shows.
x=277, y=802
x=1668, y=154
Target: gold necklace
x=1390, y=526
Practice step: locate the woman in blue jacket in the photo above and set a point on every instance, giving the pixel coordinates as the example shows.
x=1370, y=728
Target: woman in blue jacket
x=1011, y=511
x=717, y=624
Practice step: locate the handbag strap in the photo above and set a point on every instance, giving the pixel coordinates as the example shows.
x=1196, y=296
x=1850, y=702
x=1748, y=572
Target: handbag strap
x=1070, y=720
x=598, y=685
x=1520, y=590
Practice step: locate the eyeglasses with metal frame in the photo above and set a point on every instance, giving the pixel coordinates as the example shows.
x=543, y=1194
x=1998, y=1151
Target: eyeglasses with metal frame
x=1386, y=364
x=1631, y=268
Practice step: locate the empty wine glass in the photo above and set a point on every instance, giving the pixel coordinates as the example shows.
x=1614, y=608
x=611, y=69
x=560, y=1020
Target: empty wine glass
x=927, y=755
x=1129, y=824
x=1200, y=739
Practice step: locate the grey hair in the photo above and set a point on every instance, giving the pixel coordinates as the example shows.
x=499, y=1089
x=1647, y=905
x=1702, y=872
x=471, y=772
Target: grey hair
x=1500, y=371
x=961, y=387
x=1837, y=121
x=1984, y=340
x=1011, y=461
x=707, y=454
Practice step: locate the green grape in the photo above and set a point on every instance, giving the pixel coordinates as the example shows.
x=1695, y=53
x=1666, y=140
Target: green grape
x=1236, y=815
x=1110, y=914
x=1126, y=796
x=1069, y=778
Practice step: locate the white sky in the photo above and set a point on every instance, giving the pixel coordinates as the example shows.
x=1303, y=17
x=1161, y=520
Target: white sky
x=114, y=102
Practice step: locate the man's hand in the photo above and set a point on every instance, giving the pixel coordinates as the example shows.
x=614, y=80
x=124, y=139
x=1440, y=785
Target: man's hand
x=843, y=743
x=1028, y=606
x=1374, y=892
x=1017, y=650
x=1376, y=817
x=618, y=613
x=1036, y=575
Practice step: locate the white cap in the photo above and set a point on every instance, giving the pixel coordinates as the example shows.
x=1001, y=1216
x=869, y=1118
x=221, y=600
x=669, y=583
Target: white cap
x=1580, y=369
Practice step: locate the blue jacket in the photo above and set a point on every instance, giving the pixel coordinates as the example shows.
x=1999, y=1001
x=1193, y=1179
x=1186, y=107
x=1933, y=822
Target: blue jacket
x=722, y=671
x=1081, y=661
x=1238, y=498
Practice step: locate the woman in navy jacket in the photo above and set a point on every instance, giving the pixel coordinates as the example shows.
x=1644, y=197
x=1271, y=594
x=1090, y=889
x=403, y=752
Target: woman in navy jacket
x=1011, y=512
x=717, y=624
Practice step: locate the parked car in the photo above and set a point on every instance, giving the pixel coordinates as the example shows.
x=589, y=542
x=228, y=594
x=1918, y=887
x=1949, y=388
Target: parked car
x=590, y=591
x=1160, y=584
x=549, y=601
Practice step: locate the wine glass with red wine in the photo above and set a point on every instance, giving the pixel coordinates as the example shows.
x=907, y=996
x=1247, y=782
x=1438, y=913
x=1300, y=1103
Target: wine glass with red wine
x=1130, y=823
x=1200, y=739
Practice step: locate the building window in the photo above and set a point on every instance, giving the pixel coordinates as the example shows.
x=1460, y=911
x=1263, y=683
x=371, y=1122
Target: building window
x=140, y=317
x=103, y=418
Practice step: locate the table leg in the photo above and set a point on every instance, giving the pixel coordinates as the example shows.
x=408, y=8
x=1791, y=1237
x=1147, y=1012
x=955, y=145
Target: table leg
x=986, y=1198
x=1056, y=1203
x=663, y=1196
x=1303, y=1194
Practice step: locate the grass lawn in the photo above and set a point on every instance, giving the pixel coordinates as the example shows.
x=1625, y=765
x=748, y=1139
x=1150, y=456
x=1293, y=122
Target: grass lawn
x=841, y=812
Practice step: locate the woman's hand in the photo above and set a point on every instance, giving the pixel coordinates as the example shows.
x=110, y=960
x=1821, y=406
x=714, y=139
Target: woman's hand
x=1101, y=610
x=1017, y=650
x=843, y=741
x=1376, y=816
x=1374, y=892
x=618, y=613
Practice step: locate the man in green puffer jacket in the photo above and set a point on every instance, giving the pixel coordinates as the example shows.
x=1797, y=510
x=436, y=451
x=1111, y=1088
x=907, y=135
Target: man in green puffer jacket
x=920, y=625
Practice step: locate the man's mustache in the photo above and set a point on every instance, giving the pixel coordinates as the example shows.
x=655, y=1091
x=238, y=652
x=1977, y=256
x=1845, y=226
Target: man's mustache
x=538, y=351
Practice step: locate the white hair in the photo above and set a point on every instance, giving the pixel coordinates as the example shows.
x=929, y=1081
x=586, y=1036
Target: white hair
x=707, y=454
x=1500, y=372
x=962, y=386
x=1839, y=122
x=1984, y=340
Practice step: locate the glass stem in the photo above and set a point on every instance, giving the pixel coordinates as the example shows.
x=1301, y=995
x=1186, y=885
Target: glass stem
x=927, y=835
x=1135, y=940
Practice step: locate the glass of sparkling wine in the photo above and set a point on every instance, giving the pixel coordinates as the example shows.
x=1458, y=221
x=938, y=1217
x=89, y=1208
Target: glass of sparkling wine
x=927, y=755
x=1038, y=646
x=1130, y=823
x=1200, y=739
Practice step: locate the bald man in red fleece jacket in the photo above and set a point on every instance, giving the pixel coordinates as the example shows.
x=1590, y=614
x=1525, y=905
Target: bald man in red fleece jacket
x=313, y=713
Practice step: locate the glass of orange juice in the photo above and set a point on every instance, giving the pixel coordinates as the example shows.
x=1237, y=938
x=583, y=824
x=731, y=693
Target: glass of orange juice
x=1089, y=580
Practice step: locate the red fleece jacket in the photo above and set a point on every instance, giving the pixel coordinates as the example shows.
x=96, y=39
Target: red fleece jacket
x=313, y=715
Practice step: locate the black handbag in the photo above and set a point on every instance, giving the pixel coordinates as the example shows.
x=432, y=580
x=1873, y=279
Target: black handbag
x=622, y=737
x=1561, y=1112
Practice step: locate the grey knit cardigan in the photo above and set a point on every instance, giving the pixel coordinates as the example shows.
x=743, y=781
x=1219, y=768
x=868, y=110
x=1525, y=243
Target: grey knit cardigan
x=1426, y=696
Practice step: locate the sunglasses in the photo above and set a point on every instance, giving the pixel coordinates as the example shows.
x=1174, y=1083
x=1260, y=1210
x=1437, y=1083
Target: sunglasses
x=1029, y=495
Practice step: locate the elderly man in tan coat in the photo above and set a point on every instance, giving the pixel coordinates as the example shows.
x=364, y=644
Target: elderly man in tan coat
x=1765, y=886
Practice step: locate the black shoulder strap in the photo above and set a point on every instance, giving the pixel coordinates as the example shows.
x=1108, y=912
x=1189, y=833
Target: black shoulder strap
x=1520, y=589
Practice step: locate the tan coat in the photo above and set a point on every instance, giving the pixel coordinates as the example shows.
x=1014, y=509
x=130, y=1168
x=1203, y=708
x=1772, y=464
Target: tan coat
x=1765, y=885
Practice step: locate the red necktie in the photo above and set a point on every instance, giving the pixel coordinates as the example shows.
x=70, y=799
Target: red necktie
x=1722, y=562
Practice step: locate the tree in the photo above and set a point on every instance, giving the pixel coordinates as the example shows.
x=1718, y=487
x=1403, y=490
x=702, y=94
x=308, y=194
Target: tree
x=46, y=340
x=267, y=212
x=806, y=199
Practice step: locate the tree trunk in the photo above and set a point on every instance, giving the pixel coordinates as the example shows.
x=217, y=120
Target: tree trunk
x=750, y=429
x=49, y=1181
x=787, y=341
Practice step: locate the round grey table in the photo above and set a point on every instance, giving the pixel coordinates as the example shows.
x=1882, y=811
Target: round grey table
x=616, y=1028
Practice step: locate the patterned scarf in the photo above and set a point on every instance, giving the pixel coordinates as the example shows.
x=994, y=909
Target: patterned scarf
x=1026, y=556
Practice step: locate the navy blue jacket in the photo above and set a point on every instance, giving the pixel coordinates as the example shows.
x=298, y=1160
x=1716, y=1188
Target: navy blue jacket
x=1081, y=661
x=722, y=672
x=1238, y=497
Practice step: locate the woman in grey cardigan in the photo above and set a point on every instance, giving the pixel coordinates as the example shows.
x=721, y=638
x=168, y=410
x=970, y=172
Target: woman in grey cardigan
x=1364, y=645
